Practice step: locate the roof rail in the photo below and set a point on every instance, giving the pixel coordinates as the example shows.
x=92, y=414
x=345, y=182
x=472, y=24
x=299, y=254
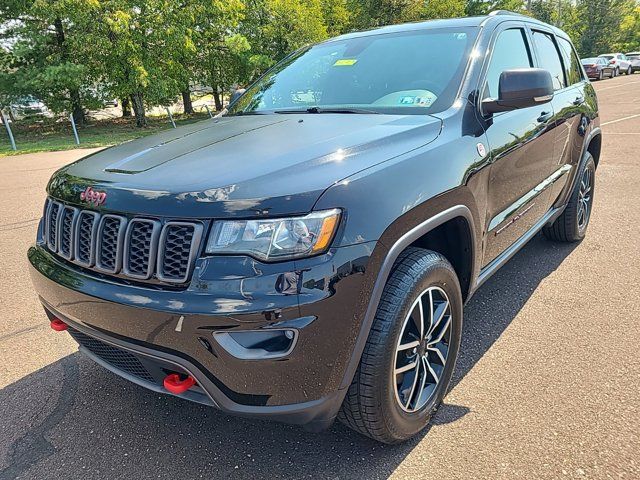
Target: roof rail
x=503, y=12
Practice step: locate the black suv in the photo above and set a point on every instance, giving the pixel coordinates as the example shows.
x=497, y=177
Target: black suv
x=307, y=254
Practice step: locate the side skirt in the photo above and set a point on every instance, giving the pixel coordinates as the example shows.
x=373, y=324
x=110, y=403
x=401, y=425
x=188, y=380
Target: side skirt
x=505, y=256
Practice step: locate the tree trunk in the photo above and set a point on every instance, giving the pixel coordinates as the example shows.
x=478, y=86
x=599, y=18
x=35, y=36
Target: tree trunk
x=217, y=98
x=138, y=110
x=74, y=95
x=126, y=108
x=186, y=101
x=78, y=111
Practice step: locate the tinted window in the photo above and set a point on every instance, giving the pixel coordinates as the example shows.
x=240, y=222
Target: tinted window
x=510, y=51
x=414, y=72
x=571, y=62
x=549, y=58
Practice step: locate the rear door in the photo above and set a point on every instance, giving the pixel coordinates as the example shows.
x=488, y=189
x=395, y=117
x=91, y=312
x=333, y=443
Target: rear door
x=570, y=103
x=521, y=144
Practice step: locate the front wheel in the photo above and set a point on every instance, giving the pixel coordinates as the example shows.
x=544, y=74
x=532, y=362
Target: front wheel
x=572, y=225
x=410, y=355
x=629, y=70
x=601, y=75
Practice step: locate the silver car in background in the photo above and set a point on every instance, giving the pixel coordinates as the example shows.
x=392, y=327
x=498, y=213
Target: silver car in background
x=619, y=62
x=634, y=58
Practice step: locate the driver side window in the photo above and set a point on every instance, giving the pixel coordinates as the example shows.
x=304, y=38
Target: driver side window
x=510, y=51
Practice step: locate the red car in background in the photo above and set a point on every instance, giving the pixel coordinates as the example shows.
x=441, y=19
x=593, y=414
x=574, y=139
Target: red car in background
x=597, y=68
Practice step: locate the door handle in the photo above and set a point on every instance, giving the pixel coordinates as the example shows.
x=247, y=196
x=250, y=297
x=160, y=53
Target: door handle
x=578, y=101
x=544, y=116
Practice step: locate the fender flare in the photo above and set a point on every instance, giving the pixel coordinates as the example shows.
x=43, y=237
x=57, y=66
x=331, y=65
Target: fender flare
x=383, y=274
x=587, y=141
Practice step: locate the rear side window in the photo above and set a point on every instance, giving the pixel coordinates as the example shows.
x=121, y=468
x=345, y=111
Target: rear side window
x=549, y=58
x=509, y=52
x=571, y=62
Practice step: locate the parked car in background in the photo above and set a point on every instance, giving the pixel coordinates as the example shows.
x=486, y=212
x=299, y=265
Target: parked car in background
x=111, y=102
x=28, y=106
x=634, y=58
x=597, y=68
x=619, y=62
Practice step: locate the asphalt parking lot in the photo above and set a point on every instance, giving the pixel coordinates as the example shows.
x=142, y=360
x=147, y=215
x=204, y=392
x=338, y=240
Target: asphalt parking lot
x=547, y=385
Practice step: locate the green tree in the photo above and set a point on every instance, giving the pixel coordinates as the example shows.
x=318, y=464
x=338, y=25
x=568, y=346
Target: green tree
x=337, y=16
x=443, y=9
x=598, y=25
x=43, y=60
x=629, y=32
x=483, y=7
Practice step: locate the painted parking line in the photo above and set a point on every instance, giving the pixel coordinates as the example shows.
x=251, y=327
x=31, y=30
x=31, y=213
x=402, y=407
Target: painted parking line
x=598, y=90
x=620, y=119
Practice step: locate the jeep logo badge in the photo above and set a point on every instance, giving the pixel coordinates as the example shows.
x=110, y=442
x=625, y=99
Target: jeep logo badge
x=93, y=197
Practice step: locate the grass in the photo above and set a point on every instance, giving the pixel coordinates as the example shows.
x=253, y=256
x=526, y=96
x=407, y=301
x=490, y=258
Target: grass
x=48, y=135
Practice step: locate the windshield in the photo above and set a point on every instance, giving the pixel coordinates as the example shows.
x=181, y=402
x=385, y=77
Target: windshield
x=608, y=57
x=414, y=72
x=588, y=61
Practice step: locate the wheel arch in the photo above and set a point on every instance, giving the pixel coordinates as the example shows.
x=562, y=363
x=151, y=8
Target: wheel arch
x=431, y=233
x=594, y=145
x=454, y=240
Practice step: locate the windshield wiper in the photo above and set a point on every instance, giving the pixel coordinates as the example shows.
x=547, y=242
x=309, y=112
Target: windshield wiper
x=329, y=110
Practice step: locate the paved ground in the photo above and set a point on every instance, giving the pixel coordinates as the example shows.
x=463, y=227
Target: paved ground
x=548, y=383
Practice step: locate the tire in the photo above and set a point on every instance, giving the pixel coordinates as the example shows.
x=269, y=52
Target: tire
x=571, y=226
x=629, y=70
x=617, y=72
x=375, y=405
x=601, y=75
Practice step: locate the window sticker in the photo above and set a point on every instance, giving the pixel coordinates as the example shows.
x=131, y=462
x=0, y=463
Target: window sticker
x=407, y=100
x=424, y=101
x=345, y=62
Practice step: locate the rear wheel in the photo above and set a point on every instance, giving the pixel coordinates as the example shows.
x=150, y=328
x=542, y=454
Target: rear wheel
x=572, y=225
x=629, y=70
x=601, y=75
x=410, y=355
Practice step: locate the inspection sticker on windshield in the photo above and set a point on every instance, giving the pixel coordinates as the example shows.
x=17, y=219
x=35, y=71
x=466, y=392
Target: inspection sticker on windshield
x=345, y=62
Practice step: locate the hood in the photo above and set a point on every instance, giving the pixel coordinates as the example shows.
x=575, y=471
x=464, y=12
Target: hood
x=241, y=166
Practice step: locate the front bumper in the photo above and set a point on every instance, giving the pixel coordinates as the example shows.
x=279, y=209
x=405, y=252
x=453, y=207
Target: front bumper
x=323, y=299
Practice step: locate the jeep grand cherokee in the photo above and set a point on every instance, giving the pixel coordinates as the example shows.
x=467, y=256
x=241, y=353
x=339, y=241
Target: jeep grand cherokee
x=307, y=254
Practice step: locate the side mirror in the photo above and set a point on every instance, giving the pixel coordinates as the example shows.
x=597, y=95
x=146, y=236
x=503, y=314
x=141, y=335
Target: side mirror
x=520, y=88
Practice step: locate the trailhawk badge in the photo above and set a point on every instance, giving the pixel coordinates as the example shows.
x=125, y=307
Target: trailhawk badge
x=93, y=197
x=481, y=150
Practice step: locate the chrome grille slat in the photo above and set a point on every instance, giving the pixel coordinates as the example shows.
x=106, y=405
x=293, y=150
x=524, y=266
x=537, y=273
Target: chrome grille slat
x=53, y=222
x=109, y=244
x=66, y=227
x=139, y=248
x=178, y=246
x=85, y=238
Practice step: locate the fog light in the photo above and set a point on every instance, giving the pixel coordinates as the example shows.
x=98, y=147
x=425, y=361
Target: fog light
x=258, y=344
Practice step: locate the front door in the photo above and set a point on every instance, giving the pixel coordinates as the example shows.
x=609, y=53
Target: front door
x=521, y=144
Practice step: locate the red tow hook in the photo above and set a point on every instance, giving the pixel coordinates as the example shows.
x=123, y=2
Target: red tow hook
x=177, y=385
x=58, y=325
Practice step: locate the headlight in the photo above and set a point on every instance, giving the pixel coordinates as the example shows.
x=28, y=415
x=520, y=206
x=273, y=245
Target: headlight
x=275, y=239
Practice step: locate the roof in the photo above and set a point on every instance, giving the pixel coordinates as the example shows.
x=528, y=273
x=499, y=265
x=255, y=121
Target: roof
x=494, y=18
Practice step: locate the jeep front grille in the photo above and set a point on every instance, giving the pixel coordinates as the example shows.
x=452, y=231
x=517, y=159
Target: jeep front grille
x=139, y=248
